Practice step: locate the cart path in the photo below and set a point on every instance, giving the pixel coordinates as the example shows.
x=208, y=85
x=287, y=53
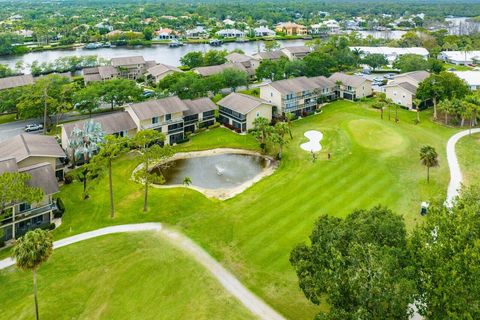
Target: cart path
x=456, y=177
x=256, y=305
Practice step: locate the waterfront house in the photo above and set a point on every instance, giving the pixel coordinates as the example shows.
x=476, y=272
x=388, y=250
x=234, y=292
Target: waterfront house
x=31, y=149
x=230, y=33
x=18, y=218
x=165, y=34
x=291, y=29
x=402, y=88
x=351, y=87
x=164, y=115
x=101, y=73
x=263, y=31
x=197, y=32
x=200, y=114
x=299, y=96
x=296, y=52
x=160, y=71
x=16, y=81
x=239, y=111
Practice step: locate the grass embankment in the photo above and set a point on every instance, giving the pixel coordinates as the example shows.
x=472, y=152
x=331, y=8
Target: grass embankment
x=121, y=276
x=468, y=153
x=373, y=162
x=4, y=118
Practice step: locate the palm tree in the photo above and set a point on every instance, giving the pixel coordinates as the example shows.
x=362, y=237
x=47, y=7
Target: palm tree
x=446, y=106
x=417, y=103
x=262, y=130
x=186, y=182
x=30, y=251
x=289, y=117
x=429, y=158
x=111, y=148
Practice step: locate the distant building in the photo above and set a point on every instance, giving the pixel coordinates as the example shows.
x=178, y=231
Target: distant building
x=239, y=111
x=391, y=53
x=124, y=67
x=25, y=33
x=228, y=22
x=251, y=64
x=197, y=32
x=291, y=29
x=263, y=31
x=472, y=78
x=297, y=52
x=299, y=95
x=231, y=33
x=460, y=57
x=271, y=55
x=16, y=81
x=351, y=87
x=165, y=34
x=160, y=71
x=402, y=89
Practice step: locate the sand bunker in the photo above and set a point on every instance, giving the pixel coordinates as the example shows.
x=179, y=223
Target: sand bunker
x=314, y=144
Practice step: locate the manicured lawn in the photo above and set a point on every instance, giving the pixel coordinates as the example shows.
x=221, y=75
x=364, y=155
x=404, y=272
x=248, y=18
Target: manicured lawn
x=457, y=67
x=373, y=162
x=468, y=152
x=4, y=118
x=122, y=276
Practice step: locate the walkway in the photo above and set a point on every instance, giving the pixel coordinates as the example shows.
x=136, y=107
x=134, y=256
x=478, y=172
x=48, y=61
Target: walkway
x=455, y=173
x=253, y=303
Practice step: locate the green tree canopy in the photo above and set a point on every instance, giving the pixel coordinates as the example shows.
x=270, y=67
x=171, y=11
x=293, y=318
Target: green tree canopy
x=359, y=264
x=411, y=62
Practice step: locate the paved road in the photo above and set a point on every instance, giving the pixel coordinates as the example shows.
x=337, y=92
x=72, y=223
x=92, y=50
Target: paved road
x=456, y=177
x=11, y=129
x=253, y=303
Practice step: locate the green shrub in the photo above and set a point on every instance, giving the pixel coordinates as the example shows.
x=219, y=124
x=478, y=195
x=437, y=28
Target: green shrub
x=68, y=179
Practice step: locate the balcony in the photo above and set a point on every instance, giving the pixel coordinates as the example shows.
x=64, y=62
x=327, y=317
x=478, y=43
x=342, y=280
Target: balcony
x=29, y=214
x=161, y=124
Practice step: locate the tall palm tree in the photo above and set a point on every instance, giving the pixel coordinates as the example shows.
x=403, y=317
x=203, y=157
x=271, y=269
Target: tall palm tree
x=289, y=117
x=187, y=181
x=446, y=106
x=30, y=251
x=429, y=158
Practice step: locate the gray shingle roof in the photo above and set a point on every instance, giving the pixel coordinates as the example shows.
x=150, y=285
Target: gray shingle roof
x=111, y=123
x=241, y=103
x=16, y=81
x=198, y=106
x=300, y=84
x=238, y=57
x=273, y=55
x=418, y=76
x=8, y=165
x=211, y=70
x=408, y=86
x=31, y=145
x=347, y=80
x=42, y=176
x=125, y=61
x=298, y=49
x=161, y=69
x=159, y=107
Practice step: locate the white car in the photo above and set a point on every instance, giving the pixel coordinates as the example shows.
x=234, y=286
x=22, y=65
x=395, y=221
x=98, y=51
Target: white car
x=33, y=127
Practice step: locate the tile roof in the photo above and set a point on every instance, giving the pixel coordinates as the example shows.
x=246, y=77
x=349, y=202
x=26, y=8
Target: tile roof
x=8, y=165
x=297, y=49
x=409, y=87
x=241, y=103
x=272, y=55
x=418, y=76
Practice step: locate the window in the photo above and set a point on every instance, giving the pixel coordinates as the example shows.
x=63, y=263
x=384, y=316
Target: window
x=258, y=114
x=168, y=117
x=271, y=94
x=24, y=207
x=154, y=120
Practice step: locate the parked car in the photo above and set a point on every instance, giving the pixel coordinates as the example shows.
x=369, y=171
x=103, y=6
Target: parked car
x=389, y=76
x=33, y=127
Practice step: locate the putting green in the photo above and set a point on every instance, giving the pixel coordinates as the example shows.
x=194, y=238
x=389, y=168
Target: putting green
x=373, y=135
